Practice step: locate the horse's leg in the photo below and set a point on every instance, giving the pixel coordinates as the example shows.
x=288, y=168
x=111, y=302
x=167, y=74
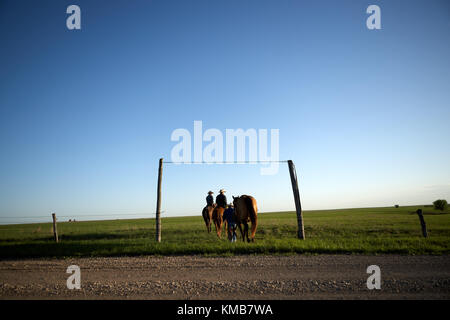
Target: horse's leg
x=246, y=230
x=208, y=225
x=206, y=220
x=220, y=228
x=220, y=221
x=240, y=229
x=210, y=212
x=254, y=225
x=216, y=224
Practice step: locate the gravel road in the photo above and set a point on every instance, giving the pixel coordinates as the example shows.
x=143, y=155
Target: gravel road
x=238, y=277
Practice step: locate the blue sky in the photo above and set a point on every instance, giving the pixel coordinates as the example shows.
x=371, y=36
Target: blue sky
x=86, y=114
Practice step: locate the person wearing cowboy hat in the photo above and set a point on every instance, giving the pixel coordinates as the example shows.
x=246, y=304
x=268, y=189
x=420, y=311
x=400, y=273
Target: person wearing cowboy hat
x=229, y=217
x=210, y=199
x=221, y=199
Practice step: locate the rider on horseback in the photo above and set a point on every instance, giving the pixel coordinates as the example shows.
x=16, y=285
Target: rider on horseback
x=221, y=199
x=208, y=210
x=210, y=199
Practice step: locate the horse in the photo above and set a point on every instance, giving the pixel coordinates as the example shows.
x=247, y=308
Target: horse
x=217, y=217
x=246, y=210
x=207, y=216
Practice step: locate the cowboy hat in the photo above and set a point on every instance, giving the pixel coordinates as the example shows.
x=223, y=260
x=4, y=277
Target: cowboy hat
x=222, y=190
x=209, y=192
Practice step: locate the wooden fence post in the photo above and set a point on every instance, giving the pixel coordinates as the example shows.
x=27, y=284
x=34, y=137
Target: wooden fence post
x=158, y=203
x=422, y=223
x=55, y=231
x=298, y=205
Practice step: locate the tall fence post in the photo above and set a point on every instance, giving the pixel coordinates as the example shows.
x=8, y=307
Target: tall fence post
x=55, y=231
x=158, y=203
x=422, y=223
x=298, y=205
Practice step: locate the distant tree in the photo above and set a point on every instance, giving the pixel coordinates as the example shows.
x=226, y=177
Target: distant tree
x=397, y=206
x=440, y=204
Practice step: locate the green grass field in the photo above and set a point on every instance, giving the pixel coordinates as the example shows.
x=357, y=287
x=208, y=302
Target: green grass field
x=347, y=231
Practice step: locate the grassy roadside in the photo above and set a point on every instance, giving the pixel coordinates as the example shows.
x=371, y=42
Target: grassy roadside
x=347, y=231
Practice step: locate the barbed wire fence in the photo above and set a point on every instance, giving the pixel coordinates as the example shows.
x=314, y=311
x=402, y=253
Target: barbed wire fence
x=8, y=221
x=157, y=215
x=64, y=218
x=292, y=174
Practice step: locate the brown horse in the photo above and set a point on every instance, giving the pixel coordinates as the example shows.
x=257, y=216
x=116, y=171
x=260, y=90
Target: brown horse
x=217, y=217
x=207, y=216
x=246, y=210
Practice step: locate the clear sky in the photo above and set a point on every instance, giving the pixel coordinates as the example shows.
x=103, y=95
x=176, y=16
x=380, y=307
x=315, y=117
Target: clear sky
x=86, y=114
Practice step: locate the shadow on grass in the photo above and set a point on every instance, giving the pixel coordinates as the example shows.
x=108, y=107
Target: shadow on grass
x=431, y=213
x=57, y=250
x=63, y=250
x=101, y=236
x=84, y=236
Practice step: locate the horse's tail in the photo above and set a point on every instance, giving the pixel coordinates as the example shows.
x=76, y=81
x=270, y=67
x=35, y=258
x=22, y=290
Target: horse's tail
x=253, y=214
x=204, y=213
x=217, y=217
x=209, y=212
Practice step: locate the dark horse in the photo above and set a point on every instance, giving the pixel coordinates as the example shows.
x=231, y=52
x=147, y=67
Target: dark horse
x=207, y=216
x=246, y=210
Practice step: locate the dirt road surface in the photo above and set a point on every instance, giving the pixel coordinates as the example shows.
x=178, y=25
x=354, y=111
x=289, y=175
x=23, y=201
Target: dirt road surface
x=238, y=277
